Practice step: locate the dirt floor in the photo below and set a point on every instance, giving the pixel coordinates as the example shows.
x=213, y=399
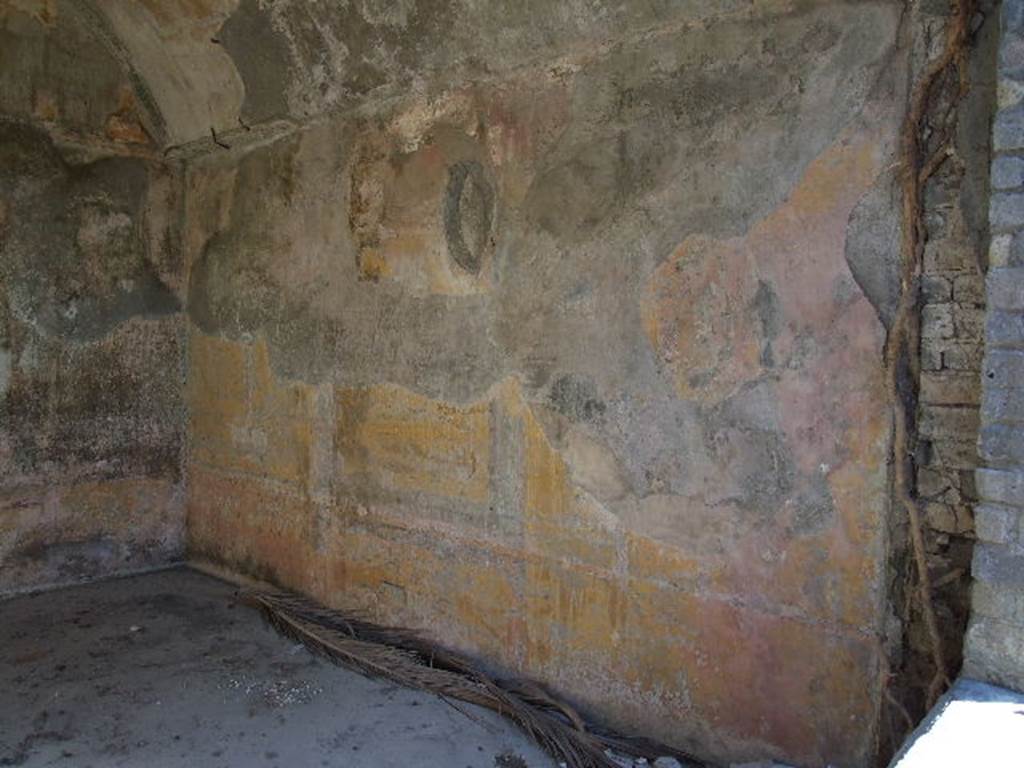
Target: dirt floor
x=164, y=670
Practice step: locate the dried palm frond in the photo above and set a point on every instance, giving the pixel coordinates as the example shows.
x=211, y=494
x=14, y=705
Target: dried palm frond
x=406, y=657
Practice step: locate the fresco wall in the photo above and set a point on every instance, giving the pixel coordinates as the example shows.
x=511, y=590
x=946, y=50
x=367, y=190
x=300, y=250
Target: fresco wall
x=580, y=369
x=91, y=329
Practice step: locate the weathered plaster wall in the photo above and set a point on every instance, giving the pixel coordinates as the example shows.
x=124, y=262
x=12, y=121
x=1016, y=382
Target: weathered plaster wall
x=91, y=329
x=229, y=64
x=57, y=70
x=554, y=328
x=579, y=368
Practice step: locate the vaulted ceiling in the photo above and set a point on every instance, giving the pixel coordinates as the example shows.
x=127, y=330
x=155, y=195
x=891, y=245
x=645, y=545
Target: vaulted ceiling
x=179, y=69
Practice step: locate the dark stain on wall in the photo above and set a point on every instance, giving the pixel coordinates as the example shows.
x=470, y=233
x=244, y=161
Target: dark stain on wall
x=576, y=398
x=766, y=302
x=91, y=361
x=468, y=214
x=74, y=253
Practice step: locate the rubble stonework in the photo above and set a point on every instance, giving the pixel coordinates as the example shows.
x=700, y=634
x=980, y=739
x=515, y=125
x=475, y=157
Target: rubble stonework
x=995, y=640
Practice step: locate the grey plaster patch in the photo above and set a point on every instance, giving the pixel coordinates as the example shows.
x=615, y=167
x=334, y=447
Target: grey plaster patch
x=814, y=508
x=657, y=441
x=652, y=124
x=576, y=398
x=873, y=247
x=261, y=55
x=759, y=461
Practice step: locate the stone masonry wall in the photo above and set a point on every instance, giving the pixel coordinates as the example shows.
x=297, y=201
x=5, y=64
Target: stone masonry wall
x=995, y=640
x=952, y=332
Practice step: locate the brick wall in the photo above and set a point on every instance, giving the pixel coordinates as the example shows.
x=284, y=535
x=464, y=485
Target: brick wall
x=995, y=639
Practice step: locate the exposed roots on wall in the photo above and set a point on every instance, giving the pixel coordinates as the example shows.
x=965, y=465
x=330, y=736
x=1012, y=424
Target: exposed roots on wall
x=926, y=143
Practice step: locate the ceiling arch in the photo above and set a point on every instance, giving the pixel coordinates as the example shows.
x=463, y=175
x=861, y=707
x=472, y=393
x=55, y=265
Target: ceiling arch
x=202, y=66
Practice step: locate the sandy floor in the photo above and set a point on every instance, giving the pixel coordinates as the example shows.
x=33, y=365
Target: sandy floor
x=163, y=670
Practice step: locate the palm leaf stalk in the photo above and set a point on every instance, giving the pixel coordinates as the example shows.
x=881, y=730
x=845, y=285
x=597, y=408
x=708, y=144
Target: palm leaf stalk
x=406, y=657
